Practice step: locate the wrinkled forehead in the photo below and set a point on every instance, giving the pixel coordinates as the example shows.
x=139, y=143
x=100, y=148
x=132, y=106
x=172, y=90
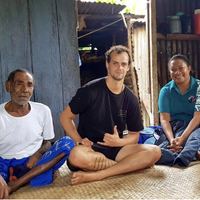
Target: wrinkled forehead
x=23, y=76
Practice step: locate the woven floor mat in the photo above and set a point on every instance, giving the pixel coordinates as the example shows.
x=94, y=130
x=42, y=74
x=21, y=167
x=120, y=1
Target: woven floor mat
x=159, y=182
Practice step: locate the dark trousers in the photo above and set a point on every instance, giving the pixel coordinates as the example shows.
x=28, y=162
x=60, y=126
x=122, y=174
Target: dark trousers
x=190, y=147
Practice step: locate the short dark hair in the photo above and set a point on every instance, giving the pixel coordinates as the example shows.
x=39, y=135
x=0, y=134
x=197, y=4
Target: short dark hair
x=179, y=57
x=119, y=49
x=11, y=76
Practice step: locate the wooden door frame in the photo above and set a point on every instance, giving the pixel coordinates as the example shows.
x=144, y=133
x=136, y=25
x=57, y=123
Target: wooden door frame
x=152, y=57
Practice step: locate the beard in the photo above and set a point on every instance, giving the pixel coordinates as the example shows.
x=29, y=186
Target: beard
x=117, y=77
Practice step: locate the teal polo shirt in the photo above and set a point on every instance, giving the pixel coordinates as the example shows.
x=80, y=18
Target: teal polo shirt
x=180, y=107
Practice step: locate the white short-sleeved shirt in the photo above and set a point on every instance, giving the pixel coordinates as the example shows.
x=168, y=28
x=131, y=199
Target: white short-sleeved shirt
x=22, y=136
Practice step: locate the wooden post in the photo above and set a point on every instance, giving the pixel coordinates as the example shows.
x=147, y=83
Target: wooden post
x=152, y=40
x=131, y=77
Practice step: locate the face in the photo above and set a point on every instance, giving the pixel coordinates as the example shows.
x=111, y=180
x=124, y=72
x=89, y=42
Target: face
x=21, y=89
x=118, y=65
x=179, y=71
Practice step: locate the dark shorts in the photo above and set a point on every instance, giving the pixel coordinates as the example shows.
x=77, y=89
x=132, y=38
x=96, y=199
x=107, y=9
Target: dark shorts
x=109, y=152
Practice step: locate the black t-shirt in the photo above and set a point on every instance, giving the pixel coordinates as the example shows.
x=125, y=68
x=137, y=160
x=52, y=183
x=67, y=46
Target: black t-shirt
x=100, y=110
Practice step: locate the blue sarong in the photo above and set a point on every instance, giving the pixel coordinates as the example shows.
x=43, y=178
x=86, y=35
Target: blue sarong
x=63, y=145
x=6, y=163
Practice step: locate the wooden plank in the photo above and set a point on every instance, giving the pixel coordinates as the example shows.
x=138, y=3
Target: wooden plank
x=68, y=49
x=163, y=63
x=159, y=11
x=168, y=56
x=148, y=36
x=14, y=41
x=153, y=64
x=182, y=6
x=164, y=10
x=177, y=6
x=178, y=37
x=174, y=47
x=185, y=48
x=167, y=8
x=190, y=52
x=159, y=64
x=132, y=72
x=130, y=76
x=188, y=8
x=136, y=48
x=46, y=59
x=145, y=61
x=179, y=47
x=192, y=7
x=172, y=7
x=108, y=16
x=182, y=37
x=195, y=58
x=68, y=44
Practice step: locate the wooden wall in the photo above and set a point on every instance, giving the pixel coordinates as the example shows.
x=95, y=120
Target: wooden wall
x=41, y=37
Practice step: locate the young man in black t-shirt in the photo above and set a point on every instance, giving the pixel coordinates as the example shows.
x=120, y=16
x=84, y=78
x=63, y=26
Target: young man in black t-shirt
x=106, y=107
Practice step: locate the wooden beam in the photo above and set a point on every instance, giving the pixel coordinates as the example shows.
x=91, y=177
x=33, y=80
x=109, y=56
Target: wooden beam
x=178, y=37
x=111, y=28
x=127, y=16
x=154, y=120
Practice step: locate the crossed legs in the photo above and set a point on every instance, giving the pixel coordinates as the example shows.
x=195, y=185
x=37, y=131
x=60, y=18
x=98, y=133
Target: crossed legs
x=97, y=167
x=14, y=185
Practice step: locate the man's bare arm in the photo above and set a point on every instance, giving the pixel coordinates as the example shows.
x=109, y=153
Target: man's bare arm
x=67, y=122
x=38, y=154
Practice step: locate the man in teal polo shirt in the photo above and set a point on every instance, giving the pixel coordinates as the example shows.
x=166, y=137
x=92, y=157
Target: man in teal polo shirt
x=179, y=116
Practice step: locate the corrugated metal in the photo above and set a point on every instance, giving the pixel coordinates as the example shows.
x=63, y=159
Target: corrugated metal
x=99, y=8
x=141, y=64
x=167, y=48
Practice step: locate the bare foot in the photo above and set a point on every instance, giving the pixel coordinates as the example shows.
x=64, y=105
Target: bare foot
x=82, y=177
x=13, y=186
x=55, y=174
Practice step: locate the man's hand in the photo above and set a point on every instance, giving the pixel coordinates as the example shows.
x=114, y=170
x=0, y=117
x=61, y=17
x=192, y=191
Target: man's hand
x=33, y=160
x=3, y=189
x=85, y=142
x=176, y=145
x=38, y=154
x=111, y=140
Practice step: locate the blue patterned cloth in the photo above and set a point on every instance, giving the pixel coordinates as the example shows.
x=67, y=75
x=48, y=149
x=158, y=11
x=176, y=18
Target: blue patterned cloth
x=63, y=145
